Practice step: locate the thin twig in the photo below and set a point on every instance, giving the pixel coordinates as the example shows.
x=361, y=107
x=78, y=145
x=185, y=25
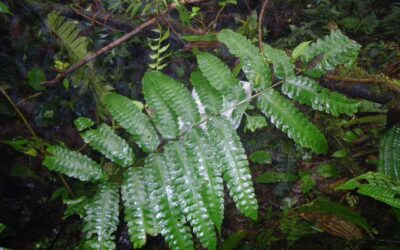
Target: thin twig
x=112, y=45
x=349, y=79
x=260, y=21
x=93, y=19
x=27, y=125
x=34, y=135
x=29, y=97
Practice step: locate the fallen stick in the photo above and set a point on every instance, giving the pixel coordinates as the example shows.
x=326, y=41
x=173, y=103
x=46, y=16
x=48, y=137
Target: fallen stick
x=112, y=45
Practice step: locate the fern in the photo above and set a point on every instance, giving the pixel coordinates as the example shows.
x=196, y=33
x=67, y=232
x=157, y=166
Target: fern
x=210, y=97
x=217, y=73
x=335, y=49
x=185, y=180
x=174, y=109
x=203, y=158
x=253, y=64
x=389, y=153
x=307, y=91
x=164, y=201
x=375, y=185
x=234, y=164
x=182, y=184
x=73, y=164
x=128, y=115
x=101, y=218
x=283, y=68
x=159, y=50
x=68, y=33
x=285, y=116
x=110, y=145
x=138, y=211
x=222, y=79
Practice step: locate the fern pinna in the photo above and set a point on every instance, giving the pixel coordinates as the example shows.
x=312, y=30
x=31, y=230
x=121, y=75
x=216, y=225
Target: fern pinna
x=193, y=146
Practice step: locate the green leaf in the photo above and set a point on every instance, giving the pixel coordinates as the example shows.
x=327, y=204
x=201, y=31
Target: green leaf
x=307, y=182
x=82, y=123
x=68, y=33
x=253, y=65
x=204, y=161
x=138, y=211
x=174, y=109
x=255, y=122
x=276, y=177
x=75, y=206
x=2, y=226
x=389, y=153
x=234, y=165
x=101, y=218
x=4, y=9
x=283, y=68
x=113, y=147
x=300, y=49
x=262, y=157
x=307, y=91
x=73, y=164
x=340, y=154
x=185, y=179
x=164, y=201
x=35, y=77
x=285, y=116
x=199, y=38
x=377, y=186
x=336, y=49
x=126, y=112
x=328, y=171
x=208, y=95
x=217, y=73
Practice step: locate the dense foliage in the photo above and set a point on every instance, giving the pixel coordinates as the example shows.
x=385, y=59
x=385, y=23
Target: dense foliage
x=172, y=118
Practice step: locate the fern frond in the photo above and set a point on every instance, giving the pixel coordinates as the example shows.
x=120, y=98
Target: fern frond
x=389, y=153
x=138, y=211
x=283, y=68
x=68, y=33
x=73, y=164
x=307, y=91
x=165, y=120
x=336, y=49
x=204, y=159
x=101, y=218
x=187, y=185
x=285, y=116
x=221, y=78
x=159, y=50
x=82, y=123
x=130, y=117
x=235, y=166
x=210, y=97
x=253, y=64
x=172, y=104
x=217, y=73
x=163, y=199
x=112, y=146
x=375, y=185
